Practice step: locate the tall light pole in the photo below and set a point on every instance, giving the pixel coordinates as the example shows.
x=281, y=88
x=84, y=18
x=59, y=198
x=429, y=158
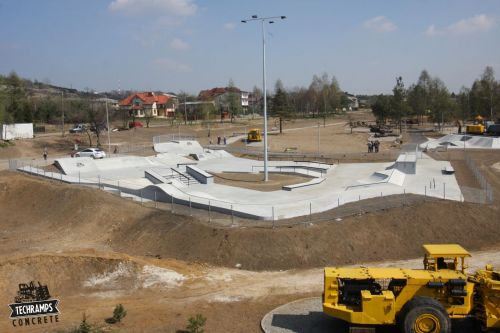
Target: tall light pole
x=107, y=125
x=263, y=20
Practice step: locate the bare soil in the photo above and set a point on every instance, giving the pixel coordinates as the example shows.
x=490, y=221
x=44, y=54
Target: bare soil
x=255, y=181
x=95, y=250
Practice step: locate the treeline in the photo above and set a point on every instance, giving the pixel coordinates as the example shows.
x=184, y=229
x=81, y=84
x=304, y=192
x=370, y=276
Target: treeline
x=29, y=101
x=323, y=97
x=430, y=99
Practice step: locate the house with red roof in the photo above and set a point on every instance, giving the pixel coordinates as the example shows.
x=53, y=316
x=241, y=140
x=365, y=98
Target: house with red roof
x=221, y=97
x=149, y=104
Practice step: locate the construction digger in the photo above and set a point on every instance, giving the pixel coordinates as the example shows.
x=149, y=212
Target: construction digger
x=254, y=135
x=417, y=300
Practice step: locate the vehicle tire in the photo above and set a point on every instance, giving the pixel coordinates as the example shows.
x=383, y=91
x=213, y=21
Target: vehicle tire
x=424, y=315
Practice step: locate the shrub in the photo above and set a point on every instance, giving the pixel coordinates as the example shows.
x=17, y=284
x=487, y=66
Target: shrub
x=119, y=313
x=196, y=324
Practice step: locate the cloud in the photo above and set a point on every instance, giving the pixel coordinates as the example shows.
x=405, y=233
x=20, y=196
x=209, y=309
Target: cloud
x=478, y=23
x=229, y=26
x=179, y=44
x=380, y=24
x=160, y=7
x=166, y=64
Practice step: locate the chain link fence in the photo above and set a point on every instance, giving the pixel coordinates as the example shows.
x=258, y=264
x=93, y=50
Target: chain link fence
x=210, y=211
x=486, y=194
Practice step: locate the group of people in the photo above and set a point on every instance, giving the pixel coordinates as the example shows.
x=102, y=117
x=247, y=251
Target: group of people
x=373, y=146
x=219, y=140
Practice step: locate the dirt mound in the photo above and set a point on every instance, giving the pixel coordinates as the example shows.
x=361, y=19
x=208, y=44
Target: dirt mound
x=38, y=215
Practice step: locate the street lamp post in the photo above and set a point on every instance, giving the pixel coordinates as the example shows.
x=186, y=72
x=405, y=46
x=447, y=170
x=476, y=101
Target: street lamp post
x=107, y=125
x=263, y=20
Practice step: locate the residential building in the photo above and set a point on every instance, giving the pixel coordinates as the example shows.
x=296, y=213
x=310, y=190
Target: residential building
x=222, y=98
x=353, y=103
x=149, y=104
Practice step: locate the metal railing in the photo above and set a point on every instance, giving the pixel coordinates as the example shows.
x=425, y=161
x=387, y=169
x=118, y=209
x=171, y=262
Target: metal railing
x=481, y=179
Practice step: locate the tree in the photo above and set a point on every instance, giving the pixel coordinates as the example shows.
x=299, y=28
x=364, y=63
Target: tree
x=280, y=106
x=258, y=100
x=382, y=107
x=399, y=107
x=16, y=99
x=439, y=101
x=233, y=99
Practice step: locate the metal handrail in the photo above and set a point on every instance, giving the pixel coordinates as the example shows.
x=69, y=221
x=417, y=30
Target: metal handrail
x=181, y=175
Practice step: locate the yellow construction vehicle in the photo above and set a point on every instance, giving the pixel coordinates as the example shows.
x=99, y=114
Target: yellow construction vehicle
x=478, y=128
x=475, y=129
x=254, y=135
x=418, y=300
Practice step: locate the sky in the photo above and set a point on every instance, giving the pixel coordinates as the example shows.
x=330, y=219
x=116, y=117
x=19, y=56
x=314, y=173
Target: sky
x=191, y=45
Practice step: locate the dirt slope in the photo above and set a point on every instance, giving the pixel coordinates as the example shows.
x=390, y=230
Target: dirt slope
x=45, y=216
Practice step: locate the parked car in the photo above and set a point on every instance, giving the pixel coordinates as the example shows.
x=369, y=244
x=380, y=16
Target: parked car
x=133, y=124
x=79, y=128
x=91, y=152
x=493, y=130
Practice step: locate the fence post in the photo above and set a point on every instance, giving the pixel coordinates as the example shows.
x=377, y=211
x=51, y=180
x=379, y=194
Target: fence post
x=444, y=190
x=99, y=180
x=338, y=202
x=209, y=211
x=273, y=215
x=310, y=211
x=404, y=196
x=156, y=202
x=119, y=190
x=172, y=203
x=425, y=192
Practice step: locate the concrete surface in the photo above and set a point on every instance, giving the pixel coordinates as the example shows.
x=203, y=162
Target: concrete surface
x=462, y=141
x=339, y=184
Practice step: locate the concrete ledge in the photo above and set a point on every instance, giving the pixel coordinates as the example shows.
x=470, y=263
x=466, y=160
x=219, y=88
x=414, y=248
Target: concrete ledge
x=155, y=177
x=200, y=175
x=314, y=181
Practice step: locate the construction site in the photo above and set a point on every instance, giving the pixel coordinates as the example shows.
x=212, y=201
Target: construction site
x=171, y=225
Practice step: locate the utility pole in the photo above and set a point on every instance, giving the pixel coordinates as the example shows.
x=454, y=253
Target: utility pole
x=62, y=110
x=185, y=111
x=107, y=125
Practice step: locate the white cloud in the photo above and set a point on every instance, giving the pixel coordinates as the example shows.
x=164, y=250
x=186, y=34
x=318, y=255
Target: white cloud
x=478, y=23
x=432, y=31
x=162, y=7
x=166, y=64
x=179, y=44
x=380, y=24
x=229, y=26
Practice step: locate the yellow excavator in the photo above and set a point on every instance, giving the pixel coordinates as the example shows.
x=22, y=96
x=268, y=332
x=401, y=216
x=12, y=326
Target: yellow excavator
x=417, y=300
x=254, y=135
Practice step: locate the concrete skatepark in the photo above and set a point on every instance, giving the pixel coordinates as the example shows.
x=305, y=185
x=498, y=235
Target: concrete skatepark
x=461, y=141
x=181, y=171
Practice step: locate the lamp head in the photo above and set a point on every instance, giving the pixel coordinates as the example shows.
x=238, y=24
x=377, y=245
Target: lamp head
x=283, y=17
x=243, y=21
x=254, y=16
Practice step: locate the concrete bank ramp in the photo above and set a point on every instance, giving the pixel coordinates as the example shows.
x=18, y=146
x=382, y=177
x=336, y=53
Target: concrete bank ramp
x=390, y=176
x=184, y=147
x=459, y=141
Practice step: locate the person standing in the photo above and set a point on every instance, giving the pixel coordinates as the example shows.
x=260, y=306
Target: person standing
x=218, y=140
x=45, y=153
x=225, y=140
